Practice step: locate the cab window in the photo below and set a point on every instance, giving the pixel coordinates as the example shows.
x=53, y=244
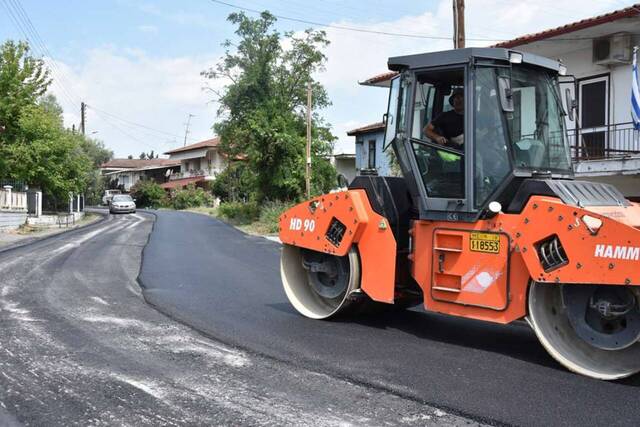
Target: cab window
x=437, y=132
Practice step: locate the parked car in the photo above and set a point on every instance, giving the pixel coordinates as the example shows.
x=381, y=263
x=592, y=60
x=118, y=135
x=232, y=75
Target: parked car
x=108, y=195
x=122, y=203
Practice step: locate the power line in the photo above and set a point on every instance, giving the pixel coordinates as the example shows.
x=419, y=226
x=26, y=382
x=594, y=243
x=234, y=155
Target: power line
x=346, y=28
x=387, y=33
x=26, y=26
x=17, y=23
x=132, y=123
x=122, y=131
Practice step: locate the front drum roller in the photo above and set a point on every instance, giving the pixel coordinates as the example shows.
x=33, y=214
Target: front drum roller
x=591, y=330
x=319, y=285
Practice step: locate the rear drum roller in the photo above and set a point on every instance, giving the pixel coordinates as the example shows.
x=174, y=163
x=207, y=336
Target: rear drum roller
x=590, y=329
x=319, y=285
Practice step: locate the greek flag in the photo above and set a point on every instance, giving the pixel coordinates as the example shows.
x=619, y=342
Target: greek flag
x=635, y=91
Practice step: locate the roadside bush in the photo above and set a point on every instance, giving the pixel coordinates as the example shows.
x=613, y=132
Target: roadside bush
x=238, y=212
x=148, y=194
x=191, y=197
x=234, y=183
x=270, y=215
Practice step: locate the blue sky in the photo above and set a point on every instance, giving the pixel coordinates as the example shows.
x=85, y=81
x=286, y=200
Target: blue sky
x=140, y=60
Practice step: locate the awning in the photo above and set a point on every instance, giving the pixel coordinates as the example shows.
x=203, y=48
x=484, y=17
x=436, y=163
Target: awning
x=181, y=183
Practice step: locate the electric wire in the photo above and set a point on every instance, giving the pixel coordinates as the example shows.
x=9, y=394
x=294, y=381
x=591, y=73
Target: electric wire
x=388, y=33
x=35, y=47
x=29, y=25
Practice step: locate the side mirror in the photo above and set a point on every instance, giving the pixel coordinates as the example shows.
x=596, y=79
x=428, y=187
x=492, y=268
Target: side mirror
x=506, y=97
x=572, y=105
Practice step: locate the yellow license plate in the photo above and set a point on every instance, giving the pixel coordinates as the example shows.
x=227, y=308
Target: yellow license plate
x=485, y=242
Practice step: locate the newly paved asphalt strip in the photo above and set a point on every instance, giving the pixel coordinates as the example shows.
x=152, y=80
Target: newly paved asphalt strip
x=227, y=285
x=80, y=346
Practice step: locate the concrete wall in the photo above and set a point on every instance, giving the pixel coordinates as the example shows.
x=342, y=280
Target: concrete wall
x=52, y=221
x=12, y=220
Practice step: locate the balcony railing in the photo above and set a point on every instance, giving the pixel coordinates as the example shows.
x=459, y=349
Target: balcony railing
x=193, y=174
x=605, y=142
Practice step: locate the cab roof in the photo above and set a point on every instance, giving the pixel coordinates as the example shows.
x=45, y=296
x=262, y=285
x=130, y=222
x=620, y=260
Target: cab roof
x=463, y=56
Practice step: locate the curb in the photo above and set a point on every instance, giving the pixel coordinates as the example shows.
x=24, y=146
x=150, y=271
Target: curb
x=31, y=240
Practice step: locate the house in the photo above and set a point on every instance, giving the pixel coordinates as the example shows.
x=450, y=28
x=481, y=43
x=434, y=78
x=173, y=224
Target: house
x=370, y=155
x=127, y=172
x=598, y=52
x=199, y=162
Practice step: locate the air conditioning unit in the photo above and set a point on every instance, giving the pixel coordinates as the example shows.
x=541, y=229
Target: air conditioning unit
x=612, y=50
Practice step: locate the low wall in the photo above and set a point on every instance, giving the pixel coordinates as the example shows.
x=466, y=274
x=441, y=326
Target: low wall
x=11, y=220
x=62, y=220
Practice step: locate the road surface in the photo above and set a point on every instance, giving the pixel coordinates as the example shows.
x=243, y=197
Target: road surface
x=80, y=346
x=226, y=284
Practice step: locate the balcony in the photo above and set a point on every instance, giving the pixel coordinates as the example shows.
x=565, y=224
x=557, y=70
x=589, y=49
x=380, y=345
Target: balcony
x=616, y=142
x=193, y=174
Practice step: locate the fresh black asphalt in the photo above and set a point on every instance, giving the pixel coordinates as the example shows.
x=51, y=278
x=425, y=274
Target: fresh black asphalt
x=227, y=284
x=79, y=346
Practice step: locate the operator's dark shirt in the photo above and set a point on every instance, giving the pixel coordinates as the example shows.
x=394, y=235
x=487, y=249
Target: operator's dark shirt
x=449, y=124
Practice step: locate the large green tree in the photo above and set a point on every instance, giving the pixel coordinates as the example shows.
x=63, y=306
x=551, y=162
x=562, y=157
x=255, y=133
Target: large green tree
x=23, y=80
x=262, y=106
x=34, y=145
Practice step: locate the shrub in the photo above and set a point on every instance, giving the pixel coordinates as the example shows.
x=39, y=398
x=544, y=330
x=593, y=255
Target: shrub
x=148, y=194
x=191, y=197
x=238, y=212
x=234, y=183
x=270, y=215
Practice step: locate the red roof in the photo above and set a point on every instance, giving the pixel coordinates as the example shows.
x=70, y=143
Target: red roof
x=366, y=129
x=180, y=183
x=380, y=79
x=137, y=163
x=574, y=26
x=213, y=142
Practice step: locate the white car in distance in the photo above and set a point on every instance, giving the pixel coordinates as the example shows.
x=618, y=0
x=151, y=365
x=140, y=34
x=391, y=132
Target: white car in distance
x=122, y=203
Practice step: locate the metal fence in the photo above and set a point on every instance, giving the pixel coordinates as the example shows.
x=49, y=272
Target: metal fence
x=15, y=184
x=605, y=142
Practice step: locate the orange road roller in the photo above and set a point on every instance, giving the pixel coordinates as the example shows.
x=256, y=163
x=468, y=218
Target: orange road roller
x=486, y=222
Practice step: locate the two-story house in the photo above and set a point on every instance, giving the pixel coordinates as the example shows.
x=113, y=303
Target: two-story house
x=598, y=54
x=125, y=173
x=199, y=162
x=370, y=156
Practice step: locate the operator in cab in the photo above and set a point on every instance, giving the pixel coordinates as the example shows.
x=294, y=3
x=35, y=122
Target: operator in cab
x=448, y=128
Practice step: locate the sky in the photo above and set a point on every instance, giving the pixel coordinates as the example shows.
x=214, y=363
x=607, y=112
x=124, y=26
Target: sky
x=137, y=64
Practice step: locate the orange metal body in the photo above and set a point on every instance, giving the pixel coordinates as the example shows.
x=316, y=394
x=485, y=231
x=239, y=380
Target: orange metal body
x=305, y=225
x=477, y=270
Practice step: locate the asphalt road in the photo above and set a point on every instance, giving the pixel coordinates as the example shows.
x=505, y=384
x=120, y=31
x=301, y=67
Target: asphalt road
x=80, y=346
x=227, y=285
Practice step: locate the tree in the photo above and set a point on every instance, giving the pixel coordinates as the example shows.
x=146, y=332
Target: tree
x=23, y=80
x=263, y=106
x=46, y=155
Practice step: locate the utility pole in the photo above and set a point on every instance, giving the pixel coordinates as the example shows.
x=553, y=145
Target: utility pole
x=83, y=109
x=458, y=24
x=186, y=129
x=308, y=167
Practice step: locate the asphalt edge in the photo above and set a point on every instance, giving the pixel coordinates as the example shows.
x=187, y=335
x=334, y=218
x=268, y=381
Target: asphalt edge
x=34, y=240
x=334, y=374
